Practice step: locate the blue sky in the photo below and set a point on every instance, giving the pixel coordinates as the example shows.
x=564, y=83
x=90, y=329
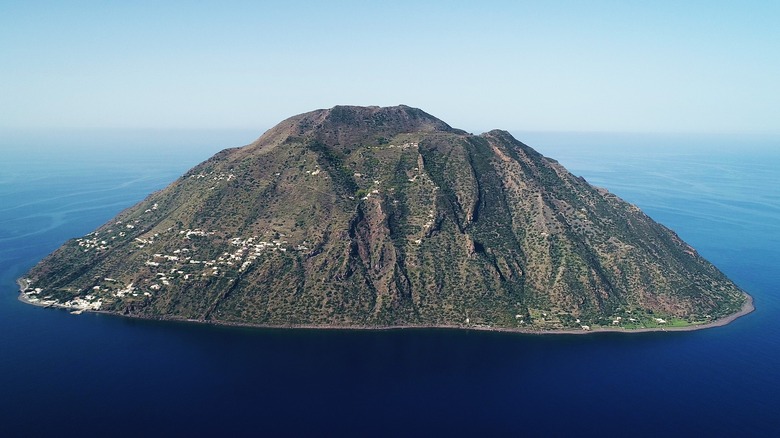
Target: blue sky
x=678, y=66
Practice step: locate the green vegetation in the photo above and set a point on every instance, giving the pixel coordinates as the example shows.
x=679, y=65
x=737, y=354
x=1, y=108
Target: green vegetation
x=387, y=216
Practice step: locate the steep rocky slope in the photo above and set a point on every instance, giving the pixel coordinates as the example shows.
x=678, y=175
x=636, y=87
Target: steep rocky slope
x=368, y=216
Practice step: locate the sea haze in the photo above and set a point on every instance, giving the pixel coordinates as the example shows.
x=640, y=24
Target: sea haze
x=92, y=373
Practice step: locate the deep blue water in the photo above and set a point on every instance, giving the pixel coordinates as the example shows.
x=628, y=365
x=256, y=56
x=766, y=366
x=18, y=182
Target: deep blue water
x=98, y=374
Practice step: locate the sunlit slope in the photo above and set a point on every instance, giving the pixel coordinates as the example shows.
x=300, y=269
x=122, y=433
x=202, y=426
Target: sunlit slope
x=368, y=216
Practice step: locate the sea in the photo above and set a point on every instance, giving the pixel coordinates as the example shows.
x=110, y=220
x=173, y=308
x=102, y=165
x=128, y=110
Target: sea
x=103, y=375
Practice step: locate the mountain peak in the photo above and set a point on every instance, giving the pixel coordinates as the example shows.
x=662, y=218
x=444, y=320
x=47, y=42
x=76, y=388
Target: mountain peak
x=370, y=216
x=347, y=125
x=401, y=118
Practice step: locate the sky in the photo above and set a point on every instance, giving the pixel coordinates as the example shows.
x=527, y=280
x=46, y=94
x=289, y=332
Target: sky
x=625, y=66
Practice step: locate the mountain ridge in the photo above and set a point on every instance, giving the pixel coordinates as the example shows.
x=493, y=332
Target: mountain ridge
x=371, y=216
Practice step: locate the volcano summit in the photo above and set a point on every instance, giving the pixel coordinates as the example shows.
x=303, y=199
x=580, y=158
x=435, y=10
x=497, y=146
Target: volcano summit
x=383, y=217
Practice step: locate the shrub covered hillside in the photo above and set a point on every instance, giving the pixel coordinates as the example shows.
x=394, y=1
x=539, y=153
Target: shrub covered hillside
x=368, y=216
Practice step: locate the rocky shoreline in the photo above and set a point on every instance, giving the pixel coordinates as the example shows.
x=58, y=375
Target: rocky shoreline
x=747, y=308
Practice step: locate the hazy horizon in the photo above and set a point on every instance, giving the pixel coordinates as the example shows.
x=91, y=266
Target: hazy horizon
x=670, y=67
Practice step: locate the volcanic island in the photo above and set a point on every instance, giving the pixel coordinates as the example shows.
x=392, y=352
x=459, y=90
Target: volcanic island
x=387, y=217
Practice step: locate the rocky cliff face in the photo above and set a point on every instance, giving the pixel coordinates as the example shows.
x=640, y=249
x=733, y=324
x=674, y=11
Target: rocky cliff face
x=358, y=216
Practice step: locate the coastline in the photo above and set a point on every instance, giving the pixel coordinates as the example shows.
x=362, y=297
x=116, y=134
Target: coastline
x=747, y=308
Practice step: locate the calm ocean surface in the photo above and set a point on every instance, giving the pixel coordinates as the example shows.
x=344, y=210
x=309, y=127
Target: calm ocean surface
x=102, y=375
